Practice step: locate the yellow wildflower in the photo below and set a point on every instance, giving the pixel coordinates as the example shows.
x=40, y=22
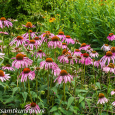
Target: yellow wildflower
x=52, y=19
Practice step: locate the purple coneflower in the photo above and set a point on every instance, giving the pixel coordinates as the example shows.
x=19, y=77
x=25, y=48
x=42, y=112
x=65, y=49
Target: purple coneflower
x=38, y=41
x=56, y=71
x=27, y=73
x=102, y=99
x=77, y=52
x=29, y=61
x=8, y=67
x=4, y=22
x=113, y=103
x=46, y=35
x=1, y=48
x=61, y=35
x=108, y=57
x=32, y=34
x=70, y=58
x=96, y=63
x=84, y=46
x=89, y=50
x=64, y=57
x=94, y=54
x=110, y=68
x=85, y=59
x=21, y=61
x=2, y=55
x=4, y=33
x=77, y=41
x=106, y=47
x=29, y=25
x=16, y=49
x=40, y=54
x=31, y=44
x=3, y=76
x=113, y=92
x=48, y=64
x=63, y=76
x=68, y=40
x=113, y=50
x=64, y=45
x=19, y=41
x=77, y=59
x=111, y=37
x=33, y=108
x=55, y=42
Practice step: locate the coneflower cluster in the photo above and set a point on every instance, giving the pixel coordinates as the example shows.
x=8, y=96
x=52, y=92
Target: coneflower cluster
x=42, y=47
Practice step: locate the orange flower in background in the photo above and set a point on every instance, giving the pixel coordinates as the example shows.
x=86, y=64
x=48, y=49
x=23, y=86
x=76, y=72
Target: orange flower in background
x=29, y=25
x=43, y=17
x=103, y=0
x=52, y=19
x=102, y=4
x=57, y=14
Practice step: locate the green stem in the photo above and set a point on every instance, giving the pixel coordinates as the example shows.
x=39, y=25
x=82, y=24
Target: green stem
x=33, y=55
x=17, y=77
x=101, y=108
x=108, y=79
x=64, y=91
x=37, y=85
x=93, y=72
x=29, y=34
x=75, y=79
x=55, y=55
x=75, y=84
x=84, y=74
x=3, y=43
x=48, y=86
x=29, y=90
x=23, y=86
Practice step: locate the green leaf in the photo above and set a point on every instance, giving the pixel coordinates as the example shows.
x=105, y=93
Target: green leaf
x=81, y=98
x=70, y=100
x=2, y=84
x=97, y=49
x=15, y=89
x=98, y=85
x=43, y=87
x=80, y=90
x=88, y=102
x=38, y=61
x=76, y=109
x=39, y=113
x=24, y=96
x=63, y=110
x=1, y=62
x=83, y=104
x=9, y=100
x=54, y=89
x=34, y=95
x=56, y=113
x=53, y=109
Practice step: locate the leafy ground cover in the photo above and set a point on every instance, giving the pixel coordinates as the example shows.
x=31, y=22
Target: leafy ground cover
x=57, y=57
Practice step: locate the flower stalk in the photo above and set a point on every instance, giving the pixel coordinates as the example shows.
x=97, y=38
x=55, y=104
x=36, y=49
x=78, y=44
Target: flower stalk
x=29, y=90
